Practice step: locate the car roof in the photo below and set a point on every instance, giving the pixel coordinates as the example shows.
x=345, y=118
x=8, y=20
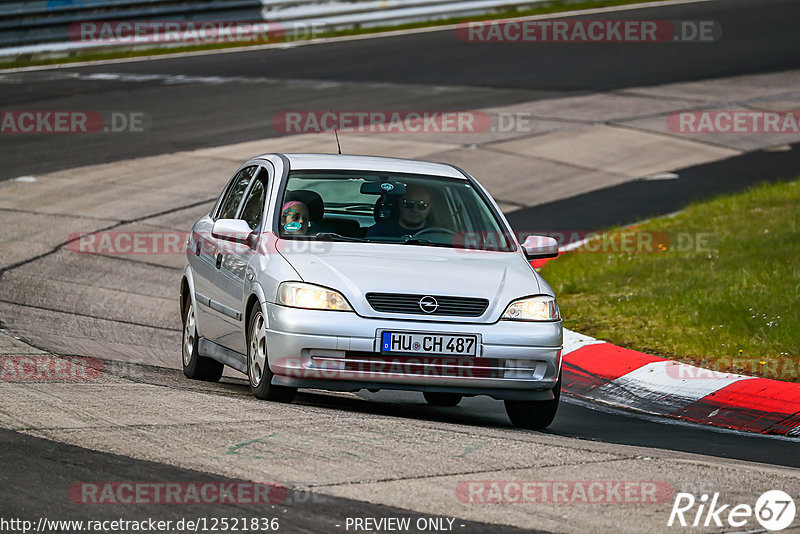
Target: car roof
x=370, y=163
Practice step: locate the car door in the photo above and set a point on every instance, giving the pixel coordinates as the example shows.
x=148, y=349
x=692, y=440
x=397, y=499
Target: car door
x=208, y=251
x=201, y=255
x=231, y=276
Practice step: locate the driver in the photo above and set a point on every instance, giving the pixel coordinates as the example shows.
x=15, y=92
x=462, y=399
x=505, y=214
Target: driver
x=414, y=207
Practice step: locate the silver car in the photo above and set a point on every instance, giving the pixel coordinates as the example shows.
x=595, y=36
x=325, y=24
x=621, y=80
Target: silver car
x=344, y=273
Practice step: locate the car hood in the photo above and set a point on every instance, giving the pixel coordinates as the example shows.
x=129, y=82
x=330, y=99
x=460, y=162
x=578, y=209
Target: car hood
x=355, y=269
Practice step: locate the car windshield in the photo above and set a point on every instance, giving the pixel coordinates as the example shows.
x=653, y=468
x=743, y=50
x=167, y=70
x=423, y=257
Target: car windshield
x=390, y=208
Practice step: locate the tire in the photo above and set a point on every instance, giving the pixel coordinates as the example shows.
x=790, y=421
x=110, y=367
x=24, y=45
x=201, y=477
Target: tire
x=534, y=415
x=195, y=366
x=442, y=399
x=258, y=372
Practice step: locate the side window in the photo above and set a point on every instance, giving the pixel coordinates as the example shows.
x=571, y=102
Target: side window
x=450, y=212
x=254, y=205
x=235, y=193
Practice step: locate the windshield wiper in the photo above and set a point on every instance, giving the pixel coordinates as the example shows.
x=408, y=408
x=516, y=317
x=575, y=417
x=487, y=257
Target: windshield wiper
x=330, y=236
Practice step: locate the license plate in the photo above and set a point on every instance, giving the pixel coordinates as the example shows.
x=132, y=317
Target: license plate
x=429, y=343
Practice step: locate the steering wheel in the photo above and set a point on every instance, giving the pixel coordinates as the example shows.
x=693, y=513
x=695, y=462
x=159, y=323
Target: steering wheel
x=434, y=230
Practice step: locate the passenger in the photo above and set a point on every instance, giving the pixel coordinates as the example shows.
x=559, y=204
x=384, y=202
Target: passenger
x=294, y=218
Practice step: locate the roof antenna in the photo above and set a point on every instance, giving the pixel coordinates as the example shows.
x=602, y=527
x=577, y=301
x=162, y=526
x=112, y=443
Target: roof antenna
x=337, y=138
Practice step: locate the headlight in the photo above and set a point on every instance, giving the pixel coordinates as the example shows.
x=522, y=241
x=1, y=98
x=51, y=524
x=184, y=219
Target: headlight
x=300, y=295
x=541, y=308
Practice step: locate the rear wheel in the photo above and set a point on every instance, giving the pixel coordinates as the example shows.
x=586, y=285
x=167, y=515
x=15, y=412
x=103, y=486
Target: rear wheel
x=534, y=415
x=195, y=366
x=442, y=399
x=258, y=364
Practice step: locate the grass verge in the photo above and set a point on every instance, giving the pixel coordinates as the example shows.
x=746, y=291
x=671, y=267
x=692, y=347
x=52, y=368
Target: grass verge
x=556, y=6
x=722, y=292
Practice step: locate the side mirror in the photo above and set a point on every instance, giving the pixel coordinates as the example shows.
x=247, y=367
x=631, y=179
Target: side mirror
x=236, y=230
x=539, y=247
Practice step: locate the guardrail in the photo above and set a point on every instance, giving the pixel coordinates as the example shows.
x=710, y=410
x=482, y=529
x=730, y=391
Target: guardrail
x=42, y=26
x=42, y=21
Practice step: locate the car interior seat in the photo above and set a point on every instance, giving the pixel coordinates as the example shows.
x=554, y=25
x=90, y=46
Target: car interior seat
x=316, y=215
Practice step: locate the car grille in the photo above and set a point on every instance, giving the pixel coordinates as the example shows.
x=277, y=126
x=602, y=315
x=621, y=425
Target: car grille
x=401, y=303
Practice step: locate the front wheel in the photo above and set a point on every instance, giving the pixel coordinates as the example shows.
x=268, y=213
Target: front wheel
x=534, y=415
x=258, y=364
x=195, y=366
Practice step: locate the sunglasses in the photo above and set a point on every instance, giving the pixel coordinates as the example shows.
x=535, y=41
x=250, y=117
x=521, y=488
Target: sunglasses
x=420, y=204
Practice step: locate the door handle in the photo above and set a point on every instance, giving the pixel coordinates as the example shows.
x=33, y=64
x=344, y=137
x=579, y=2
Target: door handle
x=219, y=260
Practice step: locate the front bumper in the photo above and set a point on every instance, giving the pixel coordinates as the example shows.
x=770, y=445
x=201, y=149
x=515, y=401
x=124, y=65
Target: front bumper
x=340, y=351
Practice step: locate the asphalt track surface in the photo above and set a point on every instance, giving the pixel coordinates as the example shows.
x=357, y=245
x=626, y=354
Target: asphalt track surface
x=642, y=199
x=208, y=100
x=402, y=73
x=43, y=492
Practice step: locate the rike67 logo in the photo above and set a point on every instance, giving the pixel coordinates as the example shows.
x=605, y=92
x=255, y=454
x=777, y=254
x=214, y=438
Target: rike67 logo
x=774, y=510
